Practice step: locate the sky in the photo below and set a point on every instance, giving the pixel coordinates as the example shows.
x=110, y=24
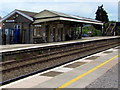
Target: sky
x=83, y=8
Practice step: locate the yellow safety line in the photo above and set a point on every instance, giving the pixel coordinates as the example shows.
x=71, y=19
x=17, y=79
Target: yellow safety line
x=84, y=74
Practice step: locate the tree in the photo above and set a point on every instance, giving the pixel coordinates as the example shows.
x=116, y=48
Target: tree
x=101, y=15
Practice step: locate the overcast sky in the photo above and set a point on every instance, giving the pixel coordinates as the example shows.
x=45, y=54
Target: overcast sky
x=84, y=8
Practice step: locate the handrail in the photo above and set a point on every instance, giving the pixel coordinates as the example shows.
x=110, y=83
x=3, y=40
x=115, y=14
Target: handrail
x=108, y=27
x=113, y=28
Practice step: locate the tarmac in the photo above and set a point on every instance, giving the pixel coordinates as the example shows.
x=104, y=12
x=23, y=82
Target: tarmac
x=108, y=80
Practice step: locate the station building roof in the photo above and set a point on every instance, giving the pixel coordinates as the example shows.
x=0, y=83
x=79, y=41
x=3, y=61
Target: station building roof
x=48, y=15
x=27, y=14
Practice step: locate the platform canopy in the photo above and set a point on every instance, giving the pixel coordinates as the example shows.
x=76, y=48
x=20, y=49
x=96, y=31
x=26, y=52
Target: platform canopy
x=47, y=15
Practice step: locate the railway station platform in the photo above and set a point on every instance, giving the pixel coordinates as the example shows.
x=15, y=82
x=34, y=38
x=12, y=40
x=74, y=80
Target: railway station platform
x=14, y=47
x=76, y=74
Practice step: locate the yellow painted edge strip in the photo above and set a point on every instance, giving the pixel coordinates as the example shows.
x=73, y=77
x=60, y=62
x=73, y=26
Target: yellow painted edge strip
x=84, y=74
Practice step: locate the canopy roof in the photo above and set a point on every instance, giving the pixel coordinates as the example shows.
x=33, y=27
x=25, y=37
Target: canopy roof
x=48, y=15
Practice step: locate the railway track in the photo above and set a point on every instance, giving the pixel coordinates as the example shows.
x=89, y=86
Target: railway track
x=54, y=57
x=43, y=57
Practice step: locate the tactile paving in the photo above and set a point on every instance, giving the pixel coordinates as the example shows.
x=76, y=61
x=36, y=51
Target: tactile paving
x=51, y=73
x=92, y=58
x=108, y=52
x=74, y=65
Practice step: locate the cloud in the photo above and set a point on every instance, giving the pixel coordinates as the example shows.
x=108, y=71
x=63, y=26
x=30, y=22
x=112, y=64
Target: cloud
x=7, y=1
x=74, y=7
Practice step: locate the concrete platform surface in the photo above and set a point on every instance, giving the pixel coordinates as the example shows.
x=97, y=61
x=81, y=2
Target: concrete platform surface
x=66, y=75
x=109, y=80
x=13, y=47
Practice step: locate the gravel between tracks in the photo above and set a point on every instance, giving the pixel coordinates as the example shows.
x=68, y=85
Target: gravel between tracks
x=108, y=80
x=56, y=60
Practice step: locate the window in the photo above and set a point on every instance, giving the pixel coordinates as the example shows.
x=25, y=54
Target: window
x=17, y=26
x=37, y=30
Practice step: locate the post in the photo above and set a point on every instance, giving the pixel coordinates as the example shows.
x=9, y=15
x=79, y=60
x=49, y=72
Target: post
x=103, y=32
x=31, y=34
x=81, y=32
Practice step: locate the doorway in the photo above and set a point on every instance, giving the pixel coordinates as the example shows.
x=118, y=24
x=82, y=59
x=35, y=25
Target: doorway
x=16, y=38
x=47, y=33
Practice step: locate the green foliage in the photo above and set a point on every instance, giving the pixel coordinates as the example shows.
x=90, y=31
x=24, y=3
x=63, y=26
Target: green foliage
x=98, y=33
x=77, y=29
x=94, y=32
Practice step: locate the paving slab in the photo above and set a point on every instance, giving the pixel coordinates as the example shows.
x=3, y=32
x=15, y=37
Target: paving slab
x=51, y=73
x=108, y=52
x=29, y=83
x=74, y=65
x=63, y=69
x=93, y=57
x=83, y=82
x=86, y=61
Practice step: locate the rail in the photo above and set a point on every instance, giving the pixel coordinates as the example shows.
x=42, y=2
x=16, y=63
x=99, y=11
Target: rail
x=52, y=58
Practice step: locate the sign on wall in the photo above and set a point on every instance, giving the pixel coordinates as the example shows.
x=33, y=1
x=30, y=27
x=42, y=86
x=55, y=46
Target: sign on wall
x=10, y=20
x=26, y=28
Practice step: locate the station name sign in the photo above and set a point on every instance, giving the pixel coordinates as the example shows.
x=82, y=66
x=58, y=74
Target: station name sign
x=10, y=20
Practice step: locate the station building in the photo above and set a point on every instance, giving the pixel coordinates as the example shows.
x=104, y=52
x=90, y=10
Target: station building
x=23, y=27
x=17, y=27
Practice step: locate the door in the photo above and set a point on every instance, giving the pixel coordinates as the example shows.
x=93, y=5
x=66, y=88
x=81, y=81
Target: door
x=16, y=34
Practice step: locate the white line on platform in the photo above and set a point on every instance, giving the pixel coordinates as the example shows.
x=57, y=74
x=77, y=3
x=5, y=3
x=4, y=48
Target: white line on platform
x=54, y=69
